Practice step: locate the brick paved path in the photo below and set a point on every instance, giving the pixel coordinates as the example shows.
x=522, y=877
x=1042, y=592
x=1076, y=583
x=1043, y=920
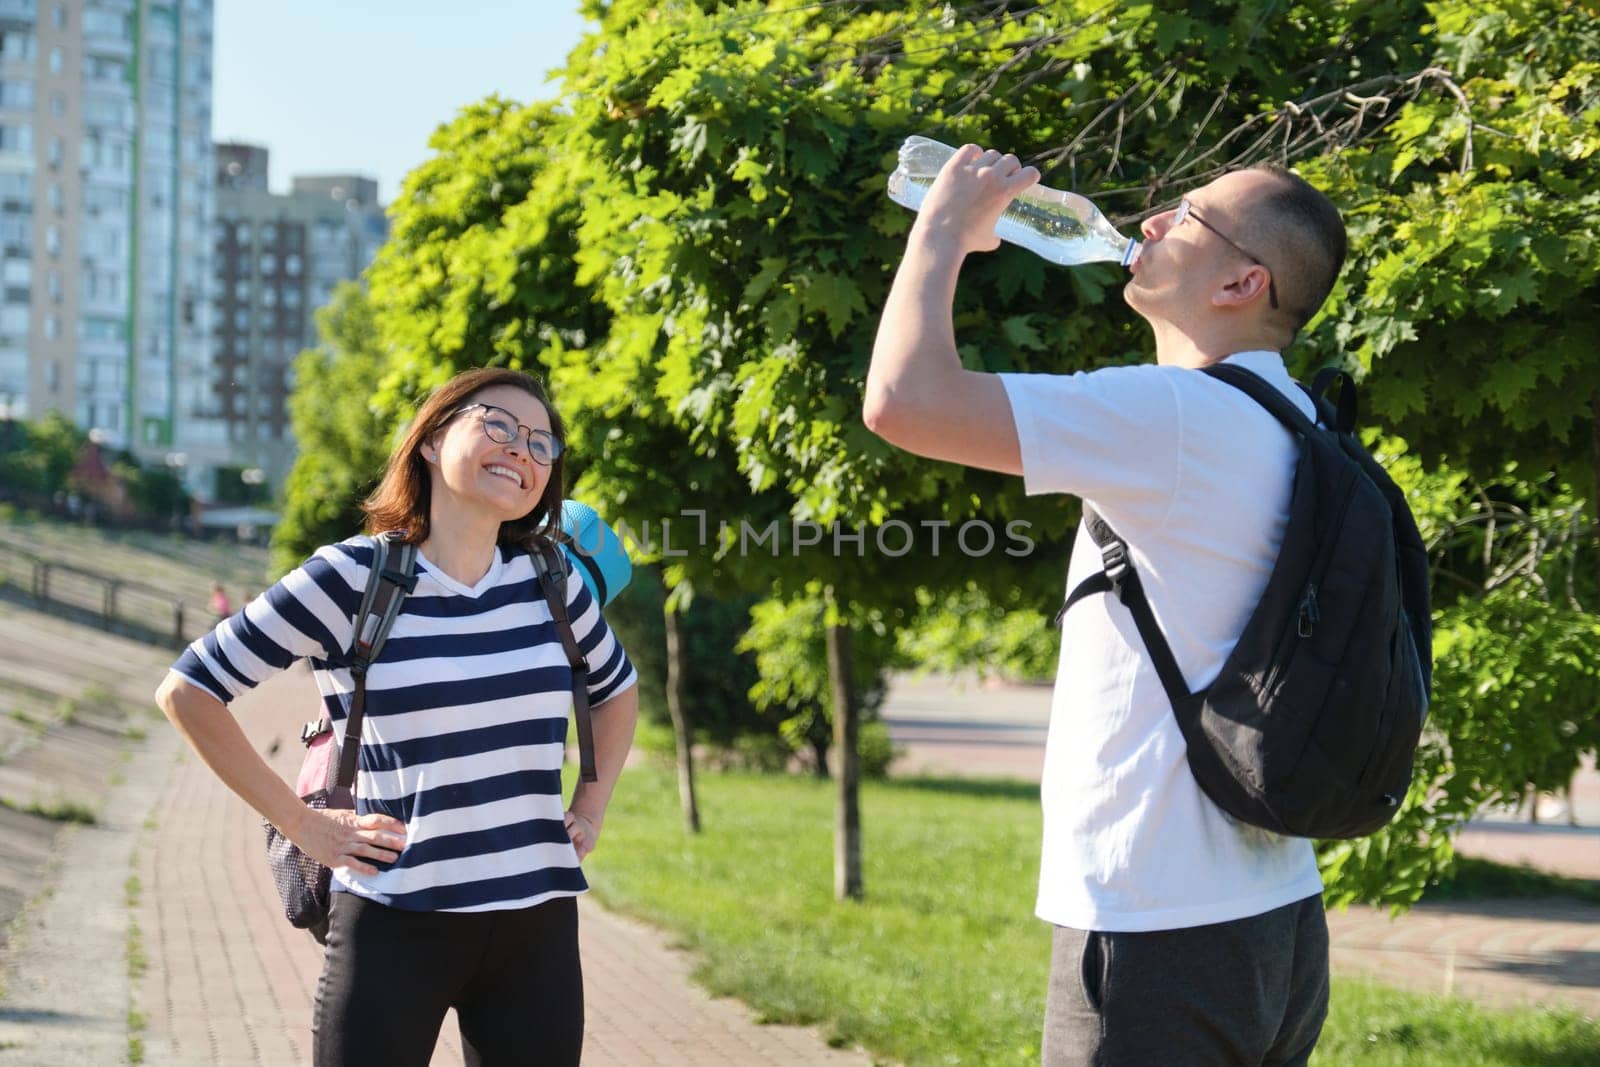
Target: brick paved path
x=1500, y=952
x=230, y=982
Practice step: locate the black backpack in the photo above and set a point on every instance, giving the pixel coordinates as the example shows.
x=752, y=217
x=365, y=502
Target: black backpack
x=1311, y=726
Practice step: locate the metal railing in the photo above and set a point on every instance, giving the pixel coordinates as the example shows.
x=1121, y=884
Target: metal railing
x=133, y=609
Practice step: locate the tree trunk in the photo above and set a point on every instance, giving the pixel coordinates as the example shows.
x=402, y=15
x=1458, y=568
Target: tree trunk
x=1594, y=503
x=683, y=739
x=847, y=882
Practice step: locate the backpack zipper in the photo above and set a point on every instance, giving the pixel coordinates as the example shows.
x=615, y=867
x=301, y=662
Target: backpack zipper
x=1310, y=614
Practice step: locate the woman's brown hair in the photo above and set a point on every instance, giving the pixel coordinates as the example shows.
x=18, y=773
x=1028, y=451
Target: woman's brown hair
x=402, y=498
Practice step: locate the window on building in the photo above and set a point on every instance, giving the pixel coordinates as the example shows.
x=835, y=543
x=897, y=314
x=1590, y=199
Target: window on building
x=57, y=201
x=16, y=191
x=18, y=44
x=101, y=23
x=16, y=233
x=14, y=322
x=96, y=328
x=112, y=71
x=291, y=265
x=16, y=94
x=269, y=263
x=52, y=327
x=58, y=106
x=58, y=17
x=16, y=137
x=269, y=233
x=55, y=152
x=52, y=240
x=56, y=60
x=269, y=297
x=291, y=297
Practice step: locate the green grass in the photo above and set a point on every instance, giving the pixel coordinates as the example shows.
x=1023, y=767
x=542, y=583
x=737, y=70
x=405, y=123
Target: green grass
x=138, y=963
x=943, y=962
x=96, y=694
x=37, y=725
x=1377, y=1026
x=59, y=810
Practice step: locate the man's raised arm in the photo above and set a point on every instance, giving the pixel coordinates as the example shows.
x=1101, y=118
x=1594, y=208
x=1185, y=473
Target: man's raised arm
x=918, y=396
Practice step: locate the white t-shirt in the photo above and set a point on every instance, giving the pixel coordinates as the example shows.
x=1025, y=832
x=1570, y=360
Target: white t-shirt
x=1195, y=476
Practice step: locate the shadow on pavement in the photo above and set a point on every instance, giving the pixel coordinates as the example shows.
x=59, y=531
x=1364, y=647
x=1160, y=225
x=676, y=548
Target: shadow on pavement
x=1540, y=909
x=1578, y=968
x=46, y=1018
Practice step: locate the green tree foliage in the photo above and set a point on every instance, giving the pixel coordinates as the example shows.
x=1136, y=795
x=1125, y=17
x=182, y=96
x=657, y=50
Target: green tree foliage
x=343, y=441
x=694, y=241
x=37, y=459
x=155, y=492
x=1472, y=295
x=38, y=454
x=717, y=679
x=787, y=638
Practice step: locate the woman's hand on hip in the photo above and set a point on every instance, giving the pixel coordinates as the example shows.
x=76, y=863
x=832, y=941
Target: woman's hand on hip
x=584, y=829
x=341, y=838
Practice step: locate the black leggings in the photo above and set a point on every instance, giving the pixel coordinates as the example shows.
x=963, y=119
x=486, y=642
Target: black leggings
x=390, y=975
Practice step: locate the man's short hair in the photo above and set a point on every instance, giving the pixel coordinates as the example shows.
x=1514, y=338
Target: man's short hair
x=1303, y=238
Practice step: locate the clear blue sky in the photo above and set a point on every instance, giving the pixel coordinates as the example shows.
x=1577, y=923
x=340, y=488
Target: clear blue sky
x=357, y=86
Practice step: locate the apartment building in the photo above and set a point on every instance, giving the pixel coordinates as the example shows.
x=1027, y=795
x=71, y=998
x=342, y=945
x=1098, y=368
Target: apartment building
x=105, y=214
x=277, y=258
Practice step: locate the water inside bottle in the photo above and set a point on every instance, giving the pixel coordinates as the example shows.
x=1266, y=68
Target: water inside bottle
x=1047, y=222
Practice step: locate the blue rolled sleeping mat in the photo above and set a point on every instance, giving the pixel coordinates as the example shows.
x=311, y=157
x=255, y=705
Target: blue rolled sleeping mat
x=595, y=551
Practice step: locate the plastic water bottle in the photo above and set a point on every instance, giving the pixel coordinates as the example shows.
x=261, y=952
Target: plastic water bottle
x=1062, y=227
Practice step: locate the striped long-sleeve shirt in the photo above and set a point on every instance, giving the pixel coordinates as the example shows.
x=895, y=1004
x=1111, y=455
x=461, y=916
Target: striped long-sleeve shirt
x=466, y=717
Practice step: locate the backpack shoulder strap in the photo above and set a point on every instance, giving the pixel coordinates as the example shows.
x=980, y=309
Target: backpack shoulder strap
x=1121, y=579
x=391, y=577
x=552, y=572
x=1267, y=395
x=1346, y=411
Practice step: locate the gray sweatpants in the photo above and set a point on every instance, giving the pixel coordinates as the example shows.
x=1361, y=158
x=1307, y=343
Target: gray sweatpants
x=1251, y=991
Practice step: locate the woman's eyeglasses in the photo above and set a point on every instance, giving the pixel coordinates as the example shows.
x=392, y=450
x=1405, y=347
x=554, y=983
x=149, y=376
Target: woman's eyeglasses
x=502, y=427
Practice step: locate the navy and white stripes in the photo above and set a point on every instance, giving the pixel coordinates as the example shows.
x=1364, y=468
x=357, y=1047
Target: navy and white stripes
x=466, y=717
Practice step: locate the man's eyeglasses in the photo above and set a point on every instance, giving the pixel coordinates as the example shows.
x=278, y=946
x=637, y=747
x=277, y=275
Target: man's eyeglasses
x=502, y=427
x=1186, y=211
